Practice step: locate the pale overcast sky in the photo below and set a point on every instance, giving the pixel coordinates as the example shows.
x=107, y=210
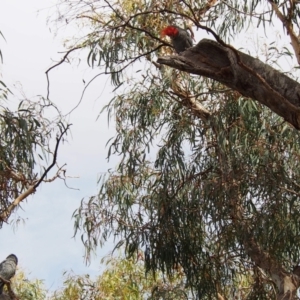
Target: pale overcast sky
x=44, y=245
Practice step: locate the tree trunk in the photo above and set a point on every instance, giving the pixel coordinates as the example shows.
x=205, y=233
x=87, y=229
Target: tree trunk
x=254, y=79
x=243, y=73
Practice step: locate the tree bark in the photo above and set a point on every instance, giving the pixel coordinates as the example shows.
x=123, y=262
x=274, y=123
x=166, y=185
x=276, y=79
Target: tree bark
x=243, y=73
x=257, y=80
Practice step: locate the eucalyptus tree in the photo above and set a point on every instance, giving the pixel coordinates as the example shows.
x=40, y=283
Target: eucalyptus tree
x=208, y=141
x=26, y=151
x=122, y=279
x=28, y=289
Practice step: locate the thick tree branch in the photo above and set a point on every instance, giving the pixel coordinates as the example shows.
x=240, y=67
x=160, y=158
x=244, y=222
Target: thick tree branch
x=287, y=23
x=189, y=101
x=220, y=297
x=286, y=283
x=243, y=73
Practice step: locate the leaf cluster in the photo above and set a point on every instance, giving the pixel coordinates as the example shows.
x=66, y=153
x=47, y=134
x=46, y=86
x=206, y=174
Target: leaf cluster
x=181, y=206
x=122, y=279
x=24, y=144
x=190, y=191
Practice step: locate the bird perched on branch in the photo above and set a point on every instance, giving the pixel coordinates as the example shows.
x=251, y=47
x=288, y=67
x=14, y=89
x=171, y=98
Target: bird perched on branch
x=8, y=269
x=181, y=38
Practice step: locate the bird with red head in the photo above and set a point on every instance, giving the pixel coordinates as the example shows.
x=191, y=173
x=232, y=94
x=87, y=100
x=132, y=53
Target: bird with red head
x=181, y=39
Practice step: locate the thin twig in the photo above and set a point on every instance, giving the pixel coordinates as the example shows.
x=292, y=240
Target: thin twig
x=59, y=63
x=54, y=156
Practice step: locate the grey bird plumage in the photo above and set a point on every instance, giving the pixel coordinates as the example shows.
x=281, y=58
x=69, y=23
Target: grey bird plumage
x=8, y=269
x=181, y=38
x=182, y=41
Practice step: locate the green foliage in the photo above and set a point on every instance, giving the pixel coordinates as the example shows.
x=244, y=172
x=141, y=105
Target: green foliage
x=24, y=145
x=25, y=135
x=180, y=207
x=4, y=91
x=1, y=56
x=190, y=191
x=27, y=289
x=123, y=279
